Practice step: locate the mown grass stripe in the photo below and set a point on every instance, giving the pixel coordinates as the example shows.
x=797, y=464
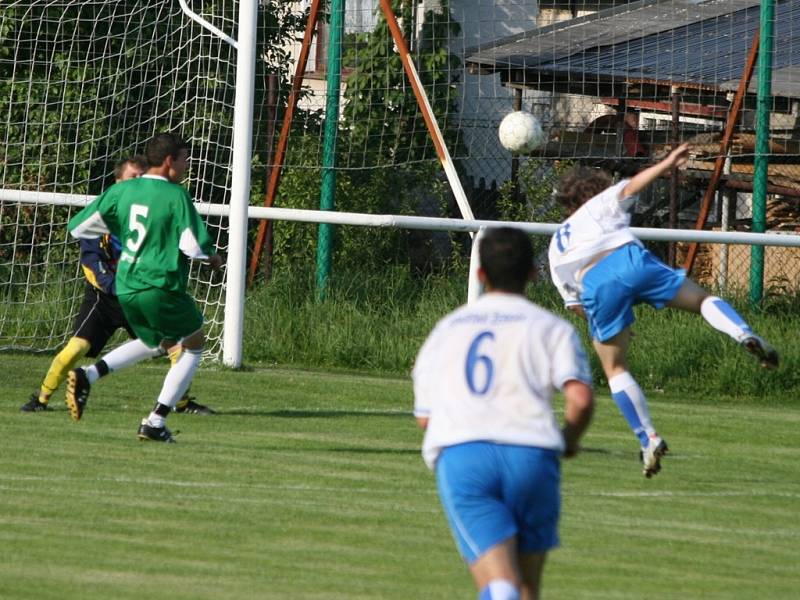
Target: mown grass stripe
x=310, y=485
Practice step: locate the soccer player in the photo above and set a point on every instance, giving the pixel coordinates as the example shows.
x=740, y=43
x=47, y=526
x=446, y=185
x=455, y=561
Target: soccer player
x=601, y=271
x=160, y=231
x=100, y=314
x=483, y=386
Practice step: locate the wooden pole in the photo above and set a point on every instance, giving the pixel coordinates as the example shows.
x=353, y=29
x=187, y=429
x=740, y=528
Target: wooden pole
x=719, y=163
x=283, y=140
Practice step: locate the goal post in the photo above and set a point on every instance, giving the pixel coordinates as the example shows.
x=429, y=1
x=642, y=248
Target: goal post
x=245, y=45
x=85, y=84
x=233, y=326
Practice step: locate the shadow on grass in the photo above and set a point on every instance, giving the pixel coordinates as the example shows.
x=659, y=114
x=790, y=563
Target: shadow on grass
x=312, y=414
x=363, y=450
x=596, y=450
x=324, y=449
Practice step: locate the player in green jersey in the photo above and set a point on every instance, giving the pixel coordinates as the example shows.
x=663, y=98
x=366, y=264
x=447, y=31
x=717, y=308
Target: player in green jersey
x=160, y=231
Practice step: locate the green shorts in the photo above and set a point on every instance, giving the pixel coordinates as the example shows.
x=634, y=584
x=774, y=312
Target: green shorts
x=156, y=315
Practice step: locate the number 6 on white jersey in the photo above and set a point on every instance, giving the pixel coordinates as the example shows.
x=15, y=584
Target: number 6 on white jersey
x=475, y=358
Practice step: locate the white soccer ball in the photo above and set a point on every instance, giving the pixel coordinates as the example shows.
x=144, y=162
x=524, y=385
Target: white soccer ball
x=520, y=131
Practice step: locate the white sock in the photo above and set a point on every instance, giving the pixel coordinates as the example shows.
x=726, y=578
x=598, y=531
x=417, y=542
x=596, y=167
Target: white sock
x=632, y=403
x=156, y=420
x=92, y=374
x=722, y=317
x=499, y=589
x=179, y=377
x=126, y=355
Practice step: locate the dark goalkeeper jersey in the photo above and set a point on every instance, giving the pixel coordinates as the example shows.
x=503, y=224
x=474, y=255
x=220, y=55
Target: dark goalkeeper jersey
x=158, y=227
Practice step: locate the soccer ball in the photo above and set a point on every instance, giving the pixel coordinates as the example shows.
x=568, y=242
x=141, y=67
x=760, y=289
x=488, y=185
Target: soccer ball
x=520, y=131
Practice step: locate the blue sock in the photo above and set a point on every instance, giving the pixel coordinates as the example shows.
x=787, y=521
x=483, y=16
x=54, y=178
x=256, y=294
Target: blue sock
x=722, y=317
x=632, y=403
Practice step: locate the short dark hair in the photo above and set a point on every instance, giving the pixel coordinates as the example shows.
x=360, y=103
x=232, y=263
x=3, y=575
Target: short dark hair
x=580, y=184
x=163, y=145
x=506, y=256
x=137, y=159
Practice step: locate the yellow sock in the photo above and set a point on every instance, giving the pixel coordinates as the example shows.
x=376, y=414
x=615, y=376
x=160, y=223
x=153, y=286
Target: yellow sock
x=174, y=353
x=63, y=362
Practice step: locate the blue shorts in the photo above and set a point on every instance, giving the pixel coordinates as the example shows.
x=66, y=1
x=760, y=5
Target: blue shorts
x=628, y=276
x=492, y=492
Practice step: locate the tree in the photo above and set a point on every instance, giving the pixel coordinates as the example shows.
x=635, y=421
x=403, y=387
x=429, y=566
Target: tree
x=387, y=160
x=381, y=119
x=83, y=84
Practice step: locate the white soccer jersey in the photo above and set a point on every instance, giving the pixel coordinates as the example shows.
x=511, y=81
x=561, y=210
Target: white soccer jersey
x=488, y=371
x=598, y=226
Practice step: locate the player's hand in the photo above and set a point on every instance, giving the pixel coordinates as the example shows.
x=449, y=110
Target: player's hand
x=215, y=261
x=571, y=449
x=571, y=446
x=679, y=156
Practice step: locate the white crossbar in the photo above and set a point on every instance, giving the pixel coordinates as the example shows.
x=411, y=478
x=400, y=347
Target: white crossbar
x=428, y=223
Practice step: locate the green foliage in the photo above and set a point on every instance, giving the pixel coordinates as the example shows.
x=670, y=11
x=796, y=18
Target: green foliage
x=781, y=298
x=369, y=320
x=86, y=86
x=280, y=26
x=530, y=199
x=386, y=162
x=381, y=117
x=294, y=243
x=390, y=190
x=377, y=321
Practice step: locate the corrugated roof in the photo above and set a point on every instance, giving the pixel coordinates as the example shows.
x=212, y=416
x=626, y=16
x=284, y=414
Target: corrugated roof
x=680, y=42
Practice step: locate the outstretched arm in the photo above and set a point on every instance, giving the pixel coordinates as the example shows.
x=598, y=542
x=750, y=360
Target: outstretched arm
x=641, y=180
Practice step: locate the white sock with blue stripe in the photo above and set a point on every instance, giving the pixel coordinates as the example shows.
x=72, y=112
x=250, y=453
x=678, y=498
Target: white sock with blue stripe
x=499, y=589
x=632, y=403
x=722, y=317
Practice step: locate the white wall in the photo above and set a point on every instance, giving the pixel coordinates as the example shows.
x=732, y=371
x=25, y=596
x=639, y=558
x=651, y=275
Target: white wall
x=483, y=100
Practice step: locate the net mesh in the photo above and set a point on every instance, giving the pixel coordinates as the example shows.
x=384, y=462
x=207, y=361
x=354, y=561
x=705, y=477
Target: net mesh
x=82, y=86
x=613, y=83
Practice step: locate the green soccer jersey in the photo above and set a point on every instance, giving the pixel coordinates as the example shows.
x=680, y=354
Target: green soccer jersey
x=158, y=226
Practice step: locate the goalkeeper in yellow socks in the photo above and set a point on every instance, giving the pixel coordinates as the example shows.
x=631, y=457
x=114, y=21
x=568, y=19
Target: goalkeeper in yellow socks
x=100, y=314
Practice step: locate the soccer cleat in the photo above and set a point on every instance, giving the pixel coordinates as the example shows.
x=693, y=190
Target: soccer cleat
x=187, y=405
x=78, y=388
x=651, y=456
x=766, y=354
x=155, y=434
x=33, y=405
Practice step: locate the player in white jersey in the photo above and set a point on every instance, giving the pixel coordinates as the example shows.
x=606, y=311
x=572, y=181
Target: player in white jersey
x=483, y=385
x=601, y=271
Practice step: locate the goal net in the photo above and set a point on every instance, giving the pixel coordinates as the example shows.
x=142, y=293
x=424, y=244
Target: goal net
x=613, y=84
x=84, y=84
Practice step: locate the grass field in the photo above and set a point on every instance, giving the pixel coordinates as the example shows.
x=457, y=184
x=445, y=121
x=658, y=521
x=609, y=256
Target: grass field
x=310, y=485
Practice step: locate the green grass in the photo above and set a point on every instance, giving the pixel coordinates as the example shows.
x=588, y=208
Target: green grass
x=310, y=485
x=377, y=324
